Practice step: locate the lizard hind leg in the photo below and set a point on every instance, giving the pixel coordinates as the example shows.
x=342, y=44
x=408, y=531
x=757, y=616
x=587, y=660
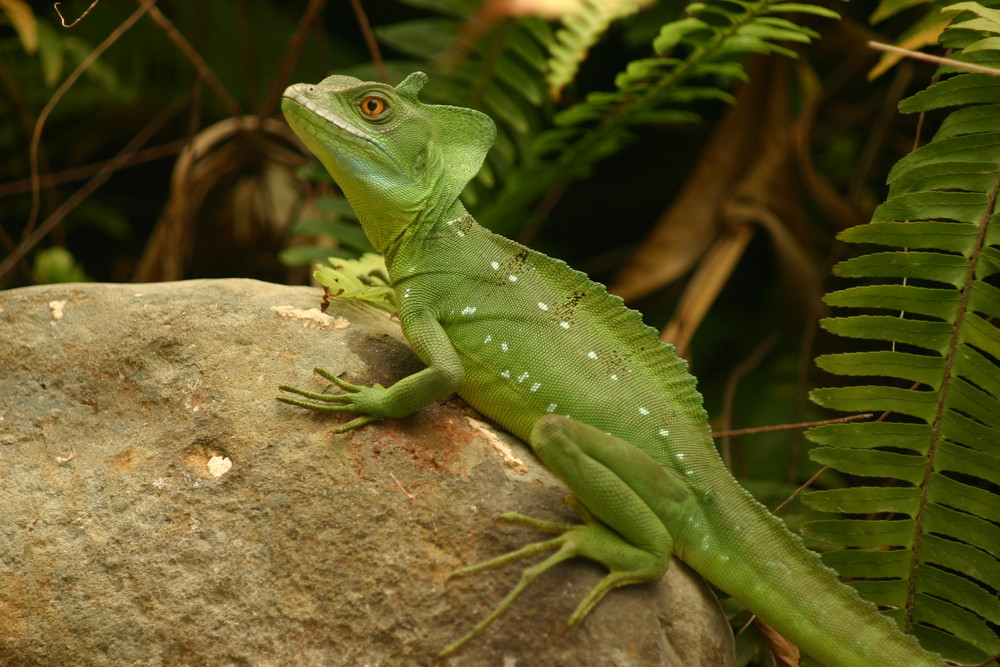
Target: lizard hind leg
x=591, y=540
x=598, y=538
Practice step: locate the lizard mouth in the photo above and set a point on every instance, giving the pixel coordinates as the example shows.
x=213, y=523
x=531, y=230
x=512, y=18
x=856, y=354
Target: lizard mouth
x=298, y=94
x=326, y=116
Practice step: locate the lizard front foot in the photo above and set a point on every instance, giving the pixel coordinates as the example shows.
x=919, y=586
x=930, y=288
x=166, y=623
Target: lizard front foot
x=356, y=399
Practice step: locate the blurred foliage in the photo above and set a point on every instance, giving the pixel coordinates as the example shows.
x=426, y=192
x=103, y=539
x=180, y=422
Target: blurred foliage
x=55, y=264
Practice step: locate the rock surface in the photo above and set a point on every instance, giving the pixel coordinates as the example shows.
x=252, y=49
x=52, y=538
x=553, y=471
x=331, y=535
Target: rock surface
x=159, y=507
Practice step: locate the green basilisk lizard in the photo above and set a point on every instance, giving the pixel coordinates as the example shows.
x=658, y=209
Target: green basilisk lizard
x=551, y=357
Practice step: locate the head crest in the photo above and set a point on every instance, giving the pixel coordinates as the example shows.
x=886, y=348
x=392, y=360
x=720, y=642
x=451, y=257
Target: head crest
x=464, y=136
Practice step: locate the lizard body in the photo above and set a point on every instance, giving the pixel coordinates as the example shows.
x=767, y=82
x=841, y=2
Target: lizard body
x=550, y=356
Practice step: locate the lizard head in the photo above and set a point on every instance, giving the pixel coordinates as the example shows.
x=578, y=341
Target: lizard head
x=397, y=159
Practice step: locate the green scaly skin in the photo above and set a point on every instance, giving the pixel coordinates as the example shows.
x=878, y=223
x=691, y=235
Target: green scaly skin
x=551, y=357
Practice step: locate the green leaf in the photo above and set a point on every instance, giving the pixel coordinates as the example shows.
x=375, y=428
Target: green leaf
x=919, y=404
x=970, y=120
x=874, y=564
x=349, y=234
x=925, y=369
x=871, y=463
x=950, y=269
x=981, y=148
x=933, y=205
x=942, y=584
x=672, y=33
x=801, y=8
x=865, y=500
x=935, y=302
x=889, y=8
x=337, y=206
x=895, y=435
x=972, y=88
x=364, y=279
x=947, y=236
x=419, y=38
x=991, y=16
x=934, y=336
x=57, y=265
x=311, y=254
x=868, y=533
x=988, y=44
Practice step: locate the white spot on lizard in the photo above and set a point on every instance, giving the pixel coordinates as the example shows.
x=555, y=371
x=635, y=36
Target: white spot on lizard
x=591, y=355
x=551, y=407
x=505, y=374
x=495, y=265
x=643, y=411
x=522, y=377
x=468, y=310
x=542, y=306
x=535, y=386
x=564, y=324
x=664, y=433
x=504, y=347
x=512, y=278
x=488, y=339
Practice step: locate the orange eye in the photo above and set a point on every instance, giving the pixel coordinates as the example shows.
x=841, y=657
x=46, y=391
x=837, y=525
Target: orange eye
x=373, y=106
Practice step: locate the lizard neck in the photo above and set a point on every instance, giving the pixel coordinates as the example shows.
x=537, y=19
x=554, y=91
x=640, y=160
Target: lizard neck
x=407, y=252
x=390, y=223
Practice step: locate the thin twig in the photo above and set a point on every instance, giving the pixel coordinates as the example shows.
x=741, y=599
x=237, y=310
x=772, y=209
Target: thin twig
x=84, y=171
x=786, y=427
x=36, y=137
x=407, y=493
x=122, y=158
x=729, y=393
x=366, y=30
x=228, y=101
x=295, y=45
x=70, y=25
x=799, y=490
x=919, y=55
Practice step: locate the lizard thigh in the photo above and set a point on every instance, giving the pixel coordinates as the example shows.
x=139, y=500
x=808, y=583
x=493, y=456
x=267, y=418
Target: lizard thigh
x=612, y=479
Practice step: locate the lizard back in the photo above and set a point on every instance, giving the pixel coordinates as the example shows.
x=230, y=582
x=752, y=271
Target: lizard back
x=537, y=337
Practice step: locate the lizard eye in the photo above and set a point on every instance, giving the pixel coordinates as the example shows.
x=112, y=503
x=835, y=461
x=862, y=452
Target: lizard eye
x=373, y=106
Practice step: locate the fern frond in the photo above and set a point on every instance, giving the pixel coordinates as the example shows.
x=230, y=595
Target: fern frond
x=933, y=554
x=697, y=57
x=579, y=32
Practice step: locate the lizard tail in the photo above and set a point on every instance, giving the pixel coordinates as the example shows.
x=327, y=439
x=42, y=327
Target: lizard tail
x=786, y=585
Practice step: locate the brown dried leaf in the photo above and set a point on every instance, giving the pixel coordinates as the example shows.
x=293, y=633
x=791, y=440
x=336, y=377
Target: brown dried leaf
x=786, y=654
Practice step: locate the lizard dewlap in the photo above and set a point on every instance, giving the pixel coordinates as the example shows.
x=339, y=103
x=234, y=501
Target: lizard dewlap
x=550, y=356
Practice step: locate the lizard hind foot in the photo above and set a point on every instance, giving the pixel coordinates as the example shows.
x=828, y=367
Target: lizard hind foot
x=564, y=552
x=626, y=563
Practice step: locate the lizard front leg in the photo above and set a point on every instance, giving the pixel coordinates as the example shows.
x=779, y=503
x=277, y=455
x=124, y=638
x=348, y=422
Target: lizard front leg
x=620, y=493
x=443, y=376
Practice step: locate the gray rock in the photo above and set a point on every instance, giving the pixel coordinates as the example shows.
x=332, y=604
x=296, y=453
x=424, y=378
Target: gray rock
x=159, y=507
